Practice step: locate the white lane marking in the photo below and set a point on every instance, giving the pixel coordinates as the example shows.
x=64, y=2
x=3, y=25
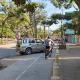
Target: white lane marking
x=55, y=78
x=68, y=58
x=65, y=58
x=51, y=58
x=27, y=68
x=17, y=59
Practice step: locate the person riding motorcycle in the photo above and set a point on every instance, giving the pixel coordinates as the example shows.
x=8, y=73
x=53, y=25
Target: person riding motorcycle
x=48, y=46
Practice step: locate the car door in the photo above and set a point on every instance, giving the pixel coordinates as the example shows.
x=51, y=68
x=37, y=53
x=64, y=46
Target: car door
x=32, y=44
x=39, y=44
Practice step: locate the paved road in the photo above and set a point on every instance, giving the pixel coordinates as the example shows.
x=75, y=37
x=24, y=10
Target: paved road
x=70, y=64
x=35, y=67
x=28, y=67
x=7, y=50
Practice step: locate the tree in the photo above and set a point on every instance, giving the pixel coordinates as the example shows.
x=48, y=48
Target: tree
x=19, y=2
x=74, y=17
x=60, y=3
x=78, y=3
x=13, y=13
x=41, y=32
x=34, y=14
x=65, y=3
x=25, y=17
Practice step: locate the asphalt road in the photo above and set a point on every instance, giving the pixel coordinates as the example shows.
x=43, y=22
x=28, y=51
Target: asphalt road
x=35, y=67
x=28, y=67
x=7, y=50
x=70, y=64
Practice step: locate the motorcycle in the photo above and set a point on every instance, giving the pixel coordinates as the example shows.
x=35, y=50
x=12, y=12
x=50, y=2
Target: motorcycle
x=48, y=52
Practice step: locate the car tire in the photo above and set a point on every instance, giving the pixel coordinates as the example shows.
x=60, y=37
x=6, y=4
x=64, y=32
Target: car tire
x=28, y=51
x=21, y=53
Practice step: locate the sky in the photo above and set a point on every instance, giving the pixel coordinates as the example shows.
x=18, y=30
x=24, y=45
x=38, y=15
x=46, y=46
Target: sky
x=51, y=9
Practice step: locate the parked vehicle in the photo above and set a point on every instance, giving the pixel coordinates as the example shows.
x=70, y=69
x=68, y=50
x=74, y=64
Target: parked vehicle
x=29, y=45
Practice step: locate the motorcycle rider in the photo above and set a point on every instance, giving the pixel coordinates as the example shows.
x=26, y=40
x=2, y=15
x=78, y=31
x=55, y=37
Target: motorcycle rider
x=48, y=45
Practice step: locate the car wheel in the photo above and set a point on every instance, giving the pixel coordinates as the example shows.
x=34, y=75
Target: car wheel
x=28, y=51
x=21, y=53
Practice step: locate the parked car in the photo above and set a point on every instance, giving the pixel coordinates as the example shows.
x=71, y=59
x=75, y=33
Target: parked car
x=29, y=45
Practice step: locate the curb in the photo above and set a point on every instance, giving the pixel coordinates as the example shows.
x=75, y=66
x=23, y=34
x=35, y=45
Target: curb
x=56, y=73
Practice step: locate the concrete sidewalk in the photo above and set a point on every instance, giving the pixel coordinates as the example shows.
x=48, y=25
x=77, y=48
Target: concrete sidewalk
x=10, y=44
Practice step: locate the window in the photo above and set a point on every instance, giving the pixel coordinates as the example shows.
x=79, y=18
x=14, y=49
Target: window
x=25, y=41
x=38, y=41
x=31, y=41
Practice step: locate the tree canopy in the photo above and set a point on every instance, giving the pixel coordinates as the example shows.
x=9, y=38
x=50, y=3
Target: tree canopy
x=19, y=2
x=65, y=3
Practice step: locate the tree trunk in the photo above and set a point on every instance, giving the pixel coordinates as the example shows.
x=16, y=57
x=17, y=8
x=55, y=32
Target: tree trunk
x=44, y=31
x=35, y=26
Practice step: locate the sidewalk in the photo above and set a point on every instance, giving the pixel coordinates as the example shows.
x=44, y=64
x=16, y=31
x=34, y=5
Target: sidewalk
x=73, y=44
x=10, y=44
x=70, y=64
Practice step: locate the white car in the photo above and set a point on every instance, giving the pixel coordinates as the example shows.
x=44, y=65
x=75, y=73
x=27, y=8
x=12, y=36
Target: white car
x=29, y=45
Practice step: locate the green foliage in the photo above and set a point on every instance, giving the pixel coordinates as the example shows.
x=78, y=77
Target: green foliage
x=56, y=16
x=68, y=26
x=41, y=33
x=19, y=2
x=20, y=18
x=31, y=7
x=60, y=3
x=7, y=32
x=11, y=19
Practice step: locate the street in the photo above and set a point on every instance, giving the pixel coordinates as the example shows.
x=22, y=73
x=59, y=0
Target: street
x=26, y=67
x=30, y=67
x=35, y=67
x=30, y=30
x=70, y=64
x=7, y=50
